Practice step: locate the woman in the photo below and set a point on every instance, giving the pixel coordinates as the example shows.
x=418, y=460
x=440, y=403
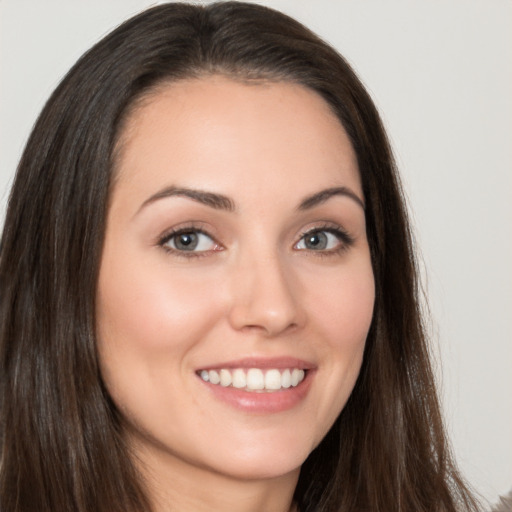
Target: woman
x=209, y=294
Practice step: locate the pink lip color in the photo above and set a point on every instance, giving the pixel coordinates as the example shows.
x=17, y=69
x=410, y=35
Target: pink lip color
x=262, y=402
x=279, y=363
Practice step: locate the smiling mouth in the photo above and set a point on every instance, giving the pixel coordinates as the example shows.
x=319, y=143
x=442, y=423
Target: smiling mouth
x=254, y=379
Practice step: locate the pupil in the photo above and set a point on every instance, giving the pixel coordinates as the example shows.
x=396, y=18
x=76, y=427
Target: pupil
x=187, y=241
x=316, y=241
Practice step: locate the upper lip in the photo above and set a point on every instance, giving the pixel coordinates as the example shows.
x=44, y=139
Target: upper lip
x=278, y=363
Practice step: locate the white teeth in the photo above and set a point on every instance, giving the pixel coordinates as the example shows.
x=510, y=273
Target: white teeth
x=286, y=379
x=297, y=376
x=225, y=378
x=273, y=379
x=254, y=379
x=239, y=380
x=213, y=377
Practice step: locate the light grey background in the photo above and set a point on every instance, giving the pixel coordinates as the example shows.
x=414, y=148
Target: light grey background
x=441, y=73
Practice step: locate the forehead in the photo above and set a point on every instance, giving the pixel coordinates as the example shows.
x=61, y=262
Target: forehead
x=217, y=133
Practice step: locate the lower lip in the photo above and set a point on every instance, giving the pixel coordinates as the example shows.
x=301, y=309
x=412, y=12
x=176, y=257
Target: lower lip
x=262, y=402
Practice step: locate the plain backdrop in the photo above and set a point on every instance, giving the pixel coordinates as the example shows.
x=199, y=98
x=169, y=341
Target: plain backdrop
x=440, y=71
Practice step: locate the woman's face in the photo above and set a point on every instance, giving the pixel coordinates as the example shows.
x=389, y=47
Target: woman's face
x=236, y=289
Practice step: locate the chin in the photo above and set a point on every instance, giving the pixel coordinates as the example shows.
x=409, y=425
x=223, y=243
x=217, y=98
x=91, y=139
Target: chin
x=263, y=460
x=269, y=469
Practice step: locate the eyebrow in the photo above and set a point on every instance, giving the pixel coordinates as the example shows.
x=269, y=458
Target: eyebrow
x=324, y=195
x=216, y=201
x=222, y=202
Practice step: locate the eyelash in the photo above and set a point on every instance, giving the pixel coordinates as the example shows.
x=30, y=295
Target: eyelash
x=346, y=241
x=174, y=233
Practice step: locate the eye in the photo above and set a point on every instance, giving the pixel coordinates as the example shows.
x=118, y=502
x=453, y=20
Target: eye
x=189, y=241
x=324, y=240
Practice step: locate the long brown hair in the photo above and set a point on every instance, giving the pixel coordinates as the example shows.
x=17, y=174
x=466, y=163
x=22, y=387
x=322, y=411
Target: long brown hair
x=62, y=445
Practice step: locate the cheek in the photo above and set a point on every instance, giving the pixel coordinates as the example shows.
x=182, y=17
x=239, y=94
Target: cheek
x=350, y=326
x=149, y=324
x=342, y=306
x=145, y=306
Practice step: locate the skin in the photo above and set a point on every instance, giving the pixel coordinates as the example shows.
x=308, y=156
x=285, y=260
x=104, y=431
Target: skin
x=254, y=289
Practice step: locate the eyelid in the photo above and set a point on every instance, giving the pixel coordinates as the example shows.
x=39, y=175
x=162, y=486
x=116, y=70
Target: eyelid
x=165, y=237
x=345, y=238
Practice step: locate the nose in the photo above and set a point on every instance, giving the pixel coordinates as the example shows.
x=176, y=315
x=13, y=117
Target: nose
x=264, y=297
